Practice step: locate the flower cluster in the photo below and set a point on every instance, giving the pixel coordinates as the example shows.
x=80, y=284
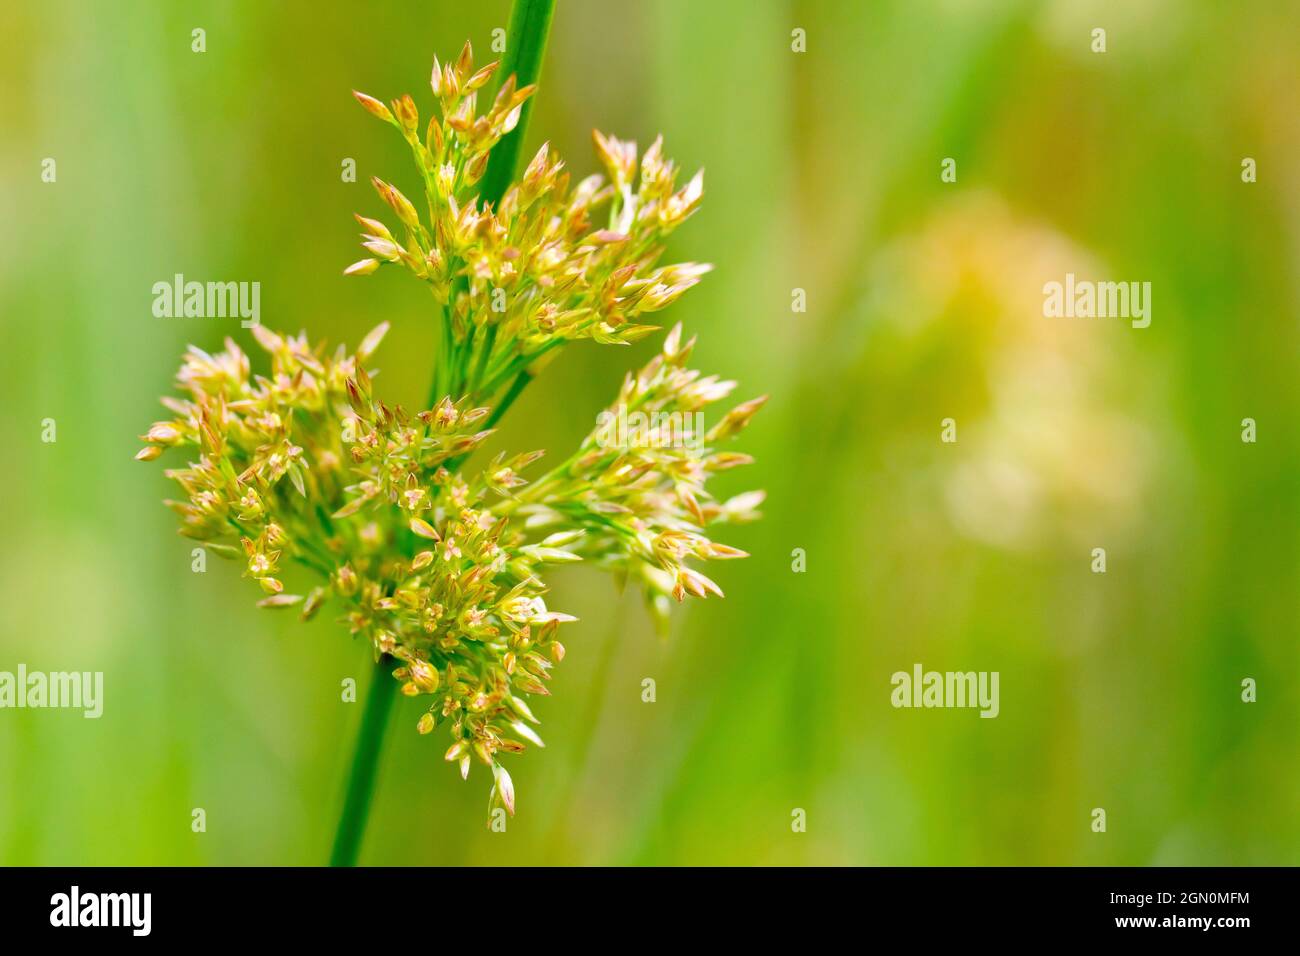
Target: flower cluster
x=437, y=568
x=537, y=270
x=643, y=507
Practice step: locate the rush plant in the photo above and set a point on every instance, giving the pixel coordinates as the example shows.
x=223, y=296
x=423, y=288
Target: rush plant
x=439, y=567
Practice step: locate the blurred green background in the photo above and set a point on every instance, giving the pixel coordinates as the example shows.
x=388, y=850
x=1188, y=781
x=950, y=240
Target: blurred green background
x=1119, y=691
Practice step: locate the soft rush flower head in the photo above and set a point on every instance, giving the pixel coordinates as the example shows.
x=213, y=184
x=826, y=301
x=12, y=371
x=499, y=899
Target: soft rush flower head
x=438, y=568
x=538, y=269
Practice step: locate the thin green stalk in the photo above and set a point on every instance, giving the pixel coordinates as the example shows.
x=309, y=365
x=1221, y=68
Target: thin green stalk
x=484, y=353
x=508, y=367
x=503, y=406
x=516, y=387
x=530, y=24
x=441, y=368
x=365, y=761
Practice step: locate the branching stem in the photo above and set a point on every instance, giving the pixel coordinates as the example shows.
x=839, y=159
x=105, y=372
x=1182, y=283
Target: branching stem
x=530, y=23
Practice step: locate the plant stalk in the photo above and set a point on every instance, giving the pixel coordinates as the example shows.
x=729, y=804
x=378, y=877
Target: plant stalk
x=365, y=761
x=530, y=24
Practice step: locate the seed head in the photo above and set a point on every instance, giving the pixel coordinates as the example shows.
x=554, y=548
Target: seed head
x=305, y=470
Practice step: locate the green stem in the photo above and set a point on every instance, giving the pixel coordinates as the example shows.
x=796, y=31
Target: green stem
x=530, y=22
x=365, y=760
x=518, y=385
x=440, y=368
x=485, y=352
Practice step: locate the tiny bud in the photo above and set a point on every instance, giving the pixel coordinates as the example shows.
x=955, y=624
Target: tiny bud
x=374, y=106
x=362, y=267
x=480, y=78
x=505, y=787
x=425, y=676
x=397, y=202
x=464, y=62
x=445, y=178
x=424, y=529
x=373, y=227
x=371, y=341
x=523, y=730
x=475, y=170
x=356, y=400
x=435, y=78
x=346, y=581
x=736, y=419
x=407, y=114
x=384, y=249
x=164, y=433
x=313, y=603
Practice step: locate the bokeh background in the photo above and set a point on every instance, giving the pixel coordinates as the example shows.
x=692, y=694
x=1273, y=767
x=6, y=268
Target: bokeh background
x=1119, y=691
